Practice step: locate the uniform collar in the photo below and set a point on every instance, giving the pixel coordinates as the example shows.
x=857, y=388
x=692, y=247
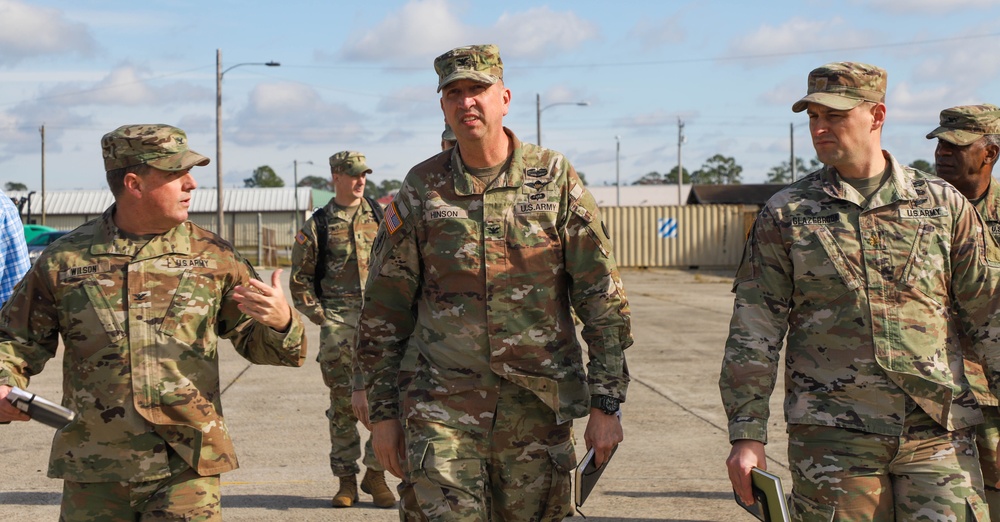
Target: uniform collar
x=899, y=186
x=465, y=185
x=108, y=240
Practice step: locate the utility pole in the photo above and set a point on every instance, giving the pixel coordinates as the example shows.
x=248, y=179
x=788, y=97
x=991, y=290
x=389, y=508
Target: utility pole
x=680, y=168
x=618, y=176
x=791, y=142
x=42, y=130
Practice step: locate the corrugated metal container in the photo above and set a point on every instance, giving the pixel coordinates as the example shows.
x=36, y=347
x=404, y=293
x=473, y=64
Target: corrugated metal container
x=698, y=235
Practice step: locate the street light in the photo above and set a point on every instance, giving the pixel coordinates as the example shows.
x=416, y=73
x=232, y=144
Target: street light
x=218, y=128
x=295, y=187
x=539, y=109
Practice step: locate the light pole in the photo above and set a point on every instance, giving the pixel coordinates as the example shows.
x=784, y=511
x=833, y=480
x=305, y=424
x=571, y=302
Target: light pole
x=295, y=187
x=618, y=176
x=539, y=109
x=218, y=129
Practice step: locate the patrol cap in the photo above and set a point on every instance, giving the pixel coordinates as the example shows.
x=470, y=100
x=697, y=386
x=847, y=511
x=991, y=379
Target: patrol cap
x=156, y=145
x=448, y=134
x=844, y=86
x=349, y=162
x=965, y=124
x=480, y=63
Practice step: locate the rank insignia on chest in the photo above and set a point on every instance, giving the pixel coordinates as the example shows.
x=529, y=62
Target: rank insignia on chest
x=875, y=240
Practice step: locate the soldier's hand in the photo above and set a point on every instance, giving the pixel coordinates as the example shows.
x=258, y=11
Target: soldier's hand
x=7, y=410
x=387, y=441
x=359, y=403
x=603, y=433
x=745, y=454
x=266, y=304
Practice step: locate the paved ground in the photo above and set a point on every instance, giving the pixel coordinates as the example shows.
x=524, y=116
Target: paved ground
x=671, y=466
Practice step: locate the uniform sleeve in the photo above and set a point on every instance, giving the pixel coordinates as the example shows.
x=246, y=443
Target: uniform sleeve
x=29, y=329
x=387, y=318
x=14, y=261
x=975, y=259
x=256, y=342
x=763, y=288
x=301, y=281
x=596, y=292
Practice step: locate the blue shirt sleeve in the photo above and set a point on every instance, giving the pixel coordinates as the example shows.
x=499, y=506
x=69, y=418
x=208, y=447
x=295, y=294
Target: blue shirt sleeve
x=13, y=249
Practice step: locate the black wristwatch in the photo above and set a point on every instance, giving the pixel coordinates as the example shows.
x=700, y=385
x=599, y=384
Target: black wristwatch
x=605, y=403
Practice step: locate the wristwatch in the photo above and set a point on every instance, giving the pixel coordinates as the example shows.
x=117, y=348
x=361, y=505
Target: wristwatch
x=606, y=403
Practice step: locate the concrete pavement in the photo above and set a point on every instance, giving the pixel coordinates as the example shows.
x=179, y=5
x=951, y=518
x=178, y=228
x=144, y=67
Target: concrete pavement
x=671, y=466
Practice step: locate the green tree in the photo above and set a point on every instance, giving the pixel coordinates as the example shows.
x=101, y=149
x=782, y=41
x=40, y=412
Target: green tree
x=671, y=177
x=583, y=178
x=384, y=187
x=719, y=170
x=780, y=173
x=315, y=182
x=263, y=177
x=923, y=165
x=11, y=186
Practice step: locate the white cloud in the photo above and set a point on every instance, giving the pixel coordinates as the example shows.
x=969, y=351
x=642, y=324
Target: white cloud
x=283, y=114
x=28, y=31
x=423, y=29
x=541, y=31
x=126, y=85
x=797, y=35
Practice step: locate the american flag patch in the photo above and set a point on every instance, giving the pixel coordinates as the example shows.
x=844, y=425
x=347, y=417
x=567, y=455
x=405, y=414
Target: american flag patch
x=392, y=221
x=300, y=238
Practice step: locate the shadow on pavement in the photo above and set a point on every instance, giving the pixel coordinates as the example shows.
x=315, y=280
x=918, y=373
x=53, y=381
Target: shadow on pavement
x=30, y=498
x=280, y=502
x=714, y=495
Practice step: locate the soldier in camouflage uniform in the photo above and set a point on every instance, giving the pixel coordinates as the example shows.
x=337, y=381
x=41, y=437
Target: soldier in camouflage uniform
x=482, y=252
x=350, y=230
x=141, y=297
x=967, y=149
x=860, y=263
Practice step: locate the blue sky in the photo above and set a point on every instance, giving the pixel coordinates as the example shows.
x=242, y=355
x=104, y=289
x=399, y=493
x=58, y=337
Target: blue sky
x=359, y=76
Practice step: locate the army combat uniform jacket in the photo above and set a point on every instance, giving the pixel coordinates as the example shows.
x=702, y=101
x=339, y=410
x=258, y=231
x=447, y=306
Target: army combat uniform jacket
x=989, y=209
x=865, y=294
x=349, y=238
x=479, y=282
x=348, y=247
x=140, y=323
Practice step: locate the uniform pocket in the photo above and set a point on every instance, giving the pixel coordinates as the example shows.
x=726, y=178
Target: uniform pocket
x=978, y=510
x=802, y=509
x=563, y=459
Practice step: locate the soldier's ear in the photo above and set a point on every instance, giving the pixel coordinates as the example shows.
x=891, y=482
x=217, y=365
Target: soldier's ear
x=133, y=184
x=992, y=151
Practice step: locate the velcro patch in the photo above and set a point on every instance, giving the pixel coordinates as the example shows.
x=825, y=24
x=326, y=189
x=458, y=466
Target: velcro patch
x=184, y=262
x=300, y=238
x=392, y=220
x=815, y=220
x=446, y=212
x=923, y=213
x=78, y=271
x=531, y=208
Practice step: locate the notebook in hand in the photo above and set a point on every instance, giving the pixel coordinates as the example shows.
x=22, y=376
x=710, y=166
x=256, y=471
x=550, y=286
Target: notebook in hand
x=769, y=499
x=587, y=474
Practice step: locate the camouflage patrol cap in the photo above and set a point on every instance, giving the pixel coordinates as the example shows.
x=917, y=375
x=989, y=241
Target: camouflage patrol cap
x=350, y=163
x=156, y=145
x=844, y=86
x=480, y=63
x=448, y=134
x=966, y=124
